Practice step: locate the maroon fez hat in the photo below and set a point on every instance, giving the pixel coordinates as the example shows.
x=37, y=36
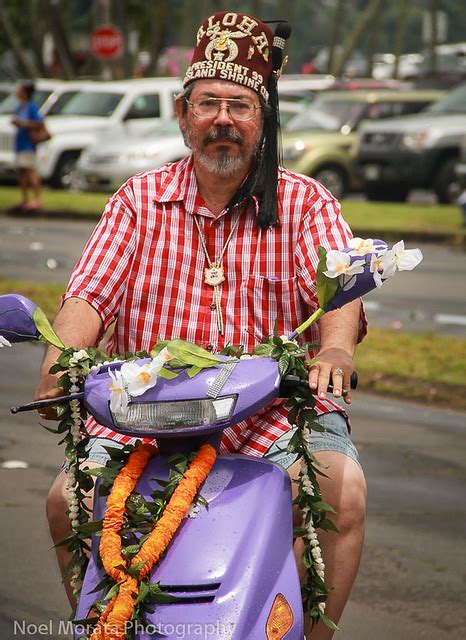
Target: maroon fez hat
x=239, y=48
x=234, y=47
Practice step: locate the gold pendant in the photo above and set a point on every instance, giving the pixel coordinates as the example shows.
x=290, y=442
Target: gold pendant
x=214, y=275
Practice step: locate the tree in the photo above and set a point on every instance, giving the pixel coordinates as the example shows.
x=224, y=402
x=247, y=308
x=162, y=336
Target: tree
x=26, y=66
x=365, y=20
x=337, y=23
x=401, y=25
x=53, y=12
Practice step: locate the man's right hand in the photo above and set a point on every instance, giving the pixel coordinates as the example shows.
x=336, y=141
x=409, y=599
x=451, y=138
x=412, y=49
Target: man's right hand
x=46, y=389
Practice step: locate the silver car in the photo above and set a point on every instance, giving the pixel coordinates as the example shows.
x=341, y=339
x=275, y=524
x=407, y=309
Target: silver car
x=108, y=163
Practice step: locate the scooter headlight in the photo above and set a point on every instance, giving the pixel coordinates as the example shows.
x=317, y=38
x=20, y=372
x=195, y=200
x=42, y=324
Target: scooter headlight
x=162, y=416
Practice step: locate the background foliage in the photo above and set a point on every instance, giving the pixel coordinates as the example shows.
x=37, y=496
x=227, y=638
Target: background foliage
x=161, y=23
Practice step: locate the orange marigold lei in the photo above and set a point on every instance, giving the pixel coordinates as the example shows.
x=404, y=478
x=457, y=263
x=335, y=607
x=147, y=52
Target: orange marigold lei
x=112, y=622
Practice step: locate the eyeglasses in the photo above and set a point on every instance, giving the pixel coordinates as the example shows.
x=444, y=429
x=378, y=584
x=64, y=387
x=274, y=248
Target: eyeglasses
x=237, y=108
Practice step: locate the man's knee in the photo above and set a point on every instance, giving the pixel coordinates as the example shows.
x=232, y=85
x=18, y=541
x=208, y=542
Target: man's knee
x=344, y=488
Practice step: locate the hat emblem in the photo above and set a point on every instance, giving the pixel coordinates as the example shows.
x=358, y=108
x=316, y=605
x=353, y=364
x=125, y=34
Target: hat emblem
x=222, y=42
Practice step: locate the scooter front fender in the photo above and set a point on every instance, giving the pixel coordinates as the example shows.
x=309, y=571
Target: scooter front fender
x=228, y=562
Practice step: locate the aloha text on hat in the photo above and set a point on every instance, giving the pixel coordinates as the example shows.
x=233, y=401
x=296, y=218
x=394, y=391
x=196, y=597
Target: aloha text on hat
x=233, y=47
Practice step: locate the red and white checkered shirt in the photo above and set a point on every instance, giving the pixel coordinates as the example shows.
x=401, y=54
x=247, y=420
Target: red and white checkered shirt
x=143, y=268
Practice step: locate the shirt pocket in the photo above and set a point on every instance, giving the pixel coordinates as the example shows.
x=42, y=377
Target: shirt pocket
x=268, y=301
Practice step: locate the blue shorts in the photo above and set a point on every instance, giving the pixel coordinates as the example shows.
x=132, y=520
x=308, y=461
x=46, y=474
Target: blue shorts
x=334, y=438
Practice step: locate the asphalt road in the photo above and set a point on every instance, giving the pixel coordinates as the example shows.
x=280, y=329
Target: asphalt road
x=412, y=581
x=430, y=298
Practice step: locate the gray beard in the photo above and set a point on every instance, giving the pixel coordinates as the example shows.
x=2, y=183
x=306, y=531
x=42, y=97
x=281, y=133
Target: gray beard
x=223, y=165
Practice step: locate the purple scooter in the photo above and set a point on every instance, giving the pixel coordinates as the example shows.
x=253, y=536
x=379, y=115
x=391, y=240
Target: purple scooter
x=232, y=564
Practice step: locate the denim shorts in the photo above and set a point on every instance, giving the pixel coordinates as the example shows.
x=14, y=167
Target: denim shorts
x=334, y=438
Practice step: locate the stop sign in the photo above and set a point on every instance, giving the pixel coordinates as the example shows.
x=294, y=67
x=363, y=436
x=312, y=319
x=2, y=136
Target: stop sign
x=107, y=42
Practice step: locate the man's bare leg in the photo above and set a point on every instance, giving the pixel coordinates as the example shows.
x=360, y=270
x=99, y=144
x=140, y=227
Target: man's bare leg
x=345, y=490
x=23, y=183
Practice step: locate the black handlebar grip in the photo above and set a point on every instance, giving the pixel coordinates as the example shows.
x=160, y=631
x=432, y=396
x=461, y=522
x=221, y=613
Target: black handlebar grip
x=291, y=384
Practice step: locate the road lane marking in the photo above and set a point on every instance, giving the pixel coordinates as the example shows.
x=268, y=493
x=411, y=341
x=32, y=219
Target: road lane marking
x=447, y=318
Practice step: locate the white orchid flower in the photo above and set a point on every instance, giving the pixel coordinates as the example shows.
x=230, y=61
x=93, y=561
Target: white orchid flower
x=77, y=356
x=4, y=342
x=399, y=258
x=339, y=263
x=376, y=268
x=140, y=378
x=118, y=396
x=361, y=246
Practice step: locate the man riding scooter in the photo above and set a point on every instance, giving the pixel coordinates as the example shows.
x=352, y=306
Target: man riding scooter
x=217, y=249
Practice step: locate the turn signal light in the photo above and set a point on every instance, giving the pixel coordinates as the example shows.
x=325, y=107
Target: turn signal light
x=280, y=619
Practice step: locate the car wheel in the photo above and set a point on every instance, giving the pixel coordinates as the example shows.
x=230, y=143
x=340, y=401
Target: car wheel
x=447, y=183
x=333, y=178
x=384, y=193
x=63, y=176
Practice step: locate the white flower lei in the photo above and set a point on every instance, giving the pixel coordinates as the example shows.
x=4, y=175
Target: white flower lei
x=308, y=488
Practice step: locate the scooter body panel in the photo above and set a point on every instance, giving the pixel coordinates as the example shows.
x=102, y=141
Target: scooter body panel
x=228, y=562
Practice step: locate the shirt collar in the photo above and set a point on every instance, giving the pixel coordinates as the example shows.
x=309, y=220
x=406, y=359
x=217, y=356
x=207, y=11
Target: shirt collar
x=181, y=186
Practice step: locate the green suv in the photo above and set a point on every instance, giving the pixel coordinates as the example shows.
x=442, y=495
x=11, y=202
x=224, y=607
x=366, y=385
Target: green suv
x=320, y=141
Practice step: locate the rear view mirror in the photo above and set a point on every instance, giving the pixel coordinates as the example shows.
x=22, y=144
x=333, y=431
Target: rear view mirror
x=17, y=318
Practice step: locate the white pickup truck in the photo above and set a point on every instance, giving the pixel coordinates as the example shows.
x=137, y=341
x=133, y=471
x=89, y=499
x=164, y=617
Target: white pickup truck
x=98, y=109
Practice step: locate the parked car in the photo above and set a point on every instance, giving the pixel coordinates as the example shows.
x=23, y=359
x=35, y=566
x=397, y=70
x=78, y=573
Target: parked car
x=111, y=160
x=461, y=165
x=44, y=88
x=414, y=152
x=50, y=96
x=409, y=65
x=96, y=110
x=320, y=141
x=5, y=89
x=299, y=86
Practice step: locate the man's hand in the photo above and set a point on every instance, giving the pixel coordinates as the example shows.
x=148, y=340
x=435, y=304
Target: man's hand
x=46, y=389
x=334, y=366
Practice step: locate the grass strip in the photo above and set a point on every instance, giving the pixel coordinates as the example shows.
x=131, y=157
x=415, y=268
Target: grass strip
x=426, y=367
x=65, y=202
x=368, y=216
x=422, y=367
x=434, y=218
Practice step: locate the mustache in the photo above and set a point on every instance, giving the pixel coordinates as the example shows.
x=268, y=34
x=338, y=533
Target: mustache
x=223, y=133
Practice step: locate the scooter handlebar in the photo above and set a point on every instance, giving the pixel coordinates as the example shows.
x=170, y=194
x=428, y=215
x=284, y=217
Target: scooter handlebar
x=291, y=384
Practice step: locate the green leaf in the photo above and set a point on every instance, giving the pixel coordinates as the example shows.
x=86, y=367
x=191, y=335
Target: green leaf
x=102, y=472
x=262, y=350
x=167, y=374
x=324, y=506
x=191, y=354
x=45, y=329
x=234, y=350
x=157, y=348
x=328, y=525
x=90, y=527
x=326, y=620
x=293, y=445
x=283, y=363
x=193, y=371
x=326, y=287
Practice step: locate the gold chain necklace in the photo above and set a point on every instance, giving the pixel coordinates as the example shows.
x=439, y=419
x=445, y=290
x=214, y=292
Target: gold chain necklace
x=214, y=274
